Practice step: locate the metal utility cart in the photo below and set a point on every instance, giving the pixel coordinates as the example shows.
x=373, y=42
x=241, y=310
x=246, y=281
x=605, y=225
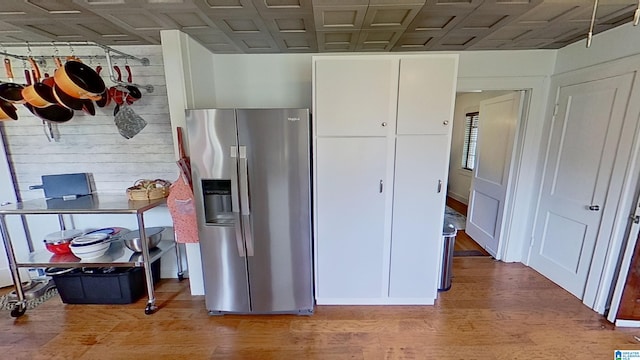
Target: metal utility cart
x=118, y=256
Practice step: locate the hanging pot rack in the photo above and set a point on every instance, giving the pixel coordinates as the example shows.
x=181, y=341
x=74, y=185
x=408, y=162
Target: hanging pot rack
x=109, y=54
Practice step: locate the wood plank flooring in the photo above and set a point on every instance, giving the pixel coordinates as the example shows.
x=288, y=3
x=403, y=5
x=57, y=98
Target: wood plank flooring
x=494, y=310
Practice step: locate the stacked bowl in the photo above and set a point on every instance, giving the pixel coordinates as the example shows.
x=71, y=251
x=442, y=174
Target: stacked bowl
x=59, y=242
x=90, y=246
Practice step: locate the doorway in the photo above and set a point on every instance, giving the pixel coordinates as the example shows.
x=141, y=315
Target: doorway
x=478, y=190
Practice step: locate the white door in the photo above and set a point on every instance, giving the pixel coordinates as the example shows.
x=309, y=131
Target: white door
x=351, y=208
x=499, y=117
x=583, y=140
x=7, y=195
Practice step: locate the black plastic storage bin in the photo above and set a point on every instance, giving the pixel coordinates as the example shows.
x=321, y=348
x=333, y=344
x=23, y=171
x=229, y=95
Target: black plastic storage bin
x=92, y=286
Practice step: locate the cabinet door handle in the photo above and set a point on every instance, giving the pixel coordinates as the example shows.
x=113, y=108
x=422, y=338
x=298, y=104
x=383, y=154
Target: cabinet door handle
x=381, y=186
x=439, y=186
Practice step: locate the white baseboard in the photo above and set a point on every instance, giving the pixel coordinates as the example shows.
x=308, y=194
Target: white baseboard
x=458, y=197
x=375, y=301
x=627, y=323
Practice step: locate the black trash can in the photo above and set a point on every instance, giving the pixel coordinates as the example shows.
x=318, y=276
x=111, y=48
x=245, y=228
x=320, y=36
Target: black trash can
x=449, y=232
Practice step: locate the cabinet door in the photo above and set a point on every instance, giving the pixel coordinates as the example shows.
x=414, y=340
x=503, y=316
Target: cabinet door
x=418, y=212
x=350, y=218
x=355, y=97
x=426, y=94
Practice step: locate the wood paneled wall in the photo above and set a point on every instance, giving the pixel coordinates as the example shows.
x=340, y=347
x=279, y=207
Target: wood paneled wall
x=92, y=143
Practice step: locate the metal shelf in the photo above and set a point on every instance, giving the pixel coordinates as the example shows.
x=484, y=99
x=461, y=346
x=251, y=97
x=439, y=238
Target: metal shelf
x=118, y=255
x=88, y=204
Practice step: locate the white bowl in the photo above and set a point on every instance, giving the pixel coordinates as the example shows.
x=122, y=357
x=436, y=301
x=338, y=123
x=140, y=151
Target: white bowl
x=89, y=246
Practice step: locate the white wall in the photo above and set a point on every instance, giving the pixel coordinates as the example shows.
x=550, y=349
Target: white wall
x=616, y=43
x=189, y=68
x=459, y=178
x=263, y=81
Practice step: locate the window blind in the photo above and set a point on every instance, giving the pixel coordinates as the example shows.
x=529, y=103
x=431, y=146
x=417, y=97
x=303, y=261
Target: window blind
x=470, y=140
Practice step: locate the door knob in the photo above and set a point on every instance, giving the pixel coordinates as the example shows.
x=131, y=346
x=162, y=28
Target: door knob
x=594, y=207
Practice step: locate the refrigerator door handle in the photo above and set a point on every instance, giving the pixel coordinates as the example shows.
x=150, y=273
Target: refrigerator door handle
x=235, y=201
x=248, y=234
x=244, y=181
x=244, y=199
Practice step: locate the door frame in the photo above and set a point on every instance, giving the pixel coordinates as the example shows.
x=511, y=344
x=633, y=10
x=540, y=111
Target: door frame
x=607, y=259
x=525, y=179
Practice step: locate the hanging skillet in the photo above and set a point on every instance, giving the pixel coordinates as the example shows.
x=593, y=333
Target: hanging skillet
x=11, y=91
x=79, y=81
x=38, y=94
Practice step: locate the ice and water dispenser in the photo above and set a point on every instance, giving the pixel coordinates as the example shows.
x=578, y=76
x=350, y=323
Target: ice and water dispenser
x=217, y=201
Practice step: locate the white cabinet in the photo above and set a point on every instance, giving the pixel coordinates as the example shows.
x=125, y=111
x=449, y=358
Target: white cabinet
x=355, y=98
x=425, y=93
x=418, y=208
x=380, y=190
x=351, y=211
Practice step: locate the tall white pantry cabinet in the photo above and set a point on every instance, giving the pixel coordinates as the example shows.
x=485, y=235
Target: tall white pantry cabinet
x=381, y=132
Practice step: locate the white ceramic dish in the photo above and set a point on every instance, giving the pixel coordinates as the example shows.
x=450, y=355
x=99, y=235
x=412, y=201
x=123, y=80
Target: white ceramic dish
x=90, y=246
x=90, y=251
x=89, y=239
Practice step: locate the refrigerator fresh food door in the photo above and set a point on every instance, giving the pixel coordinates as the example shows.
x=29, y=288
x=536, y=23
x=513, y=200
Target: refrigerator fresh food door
x=213, y=149
x=275, y=207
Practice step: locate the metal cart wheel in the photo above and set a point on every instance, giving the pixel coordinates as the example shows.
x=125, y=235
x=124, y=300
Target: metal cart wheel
x=19, y=310
x=150, y=309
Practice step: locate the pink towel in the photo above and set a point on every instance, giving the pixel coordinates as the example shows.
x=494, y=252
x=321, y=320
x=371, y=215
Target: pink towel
x=183, y=211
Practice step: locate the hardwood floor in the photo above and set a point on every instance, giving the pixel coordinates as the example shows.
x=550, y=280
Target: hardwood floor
x=464, y=243
x=494, y=310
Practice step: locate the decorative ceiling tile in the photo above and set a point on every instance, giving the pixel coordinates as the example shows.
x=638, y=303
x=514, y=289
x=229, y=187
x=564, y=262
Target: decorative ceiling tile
x=377, y=40
x=255, y=26
x=297, y=43
x=337, y=40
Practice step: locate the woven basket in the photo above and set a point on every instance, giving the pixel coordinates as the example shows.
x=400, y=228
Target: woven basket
x=149, y=189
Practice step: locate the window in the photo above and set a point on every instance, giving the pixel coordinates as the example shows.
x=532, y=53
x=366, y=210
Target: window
x=470, y=140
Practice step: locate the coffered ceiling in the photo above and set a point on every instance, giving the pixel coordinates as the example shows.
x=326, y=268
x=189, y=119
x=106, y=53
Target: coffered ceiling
x=290, y=26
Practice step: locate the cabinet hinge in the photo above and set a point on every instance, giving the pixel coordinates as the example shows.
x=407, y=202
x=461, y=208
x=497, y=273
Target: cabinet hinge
x=635, y=219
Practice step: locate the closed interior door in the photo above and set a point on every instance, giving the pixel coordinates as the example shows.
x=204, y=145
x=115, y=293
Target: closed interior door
x=496, y=131
x=350, y=218
x=576, y=195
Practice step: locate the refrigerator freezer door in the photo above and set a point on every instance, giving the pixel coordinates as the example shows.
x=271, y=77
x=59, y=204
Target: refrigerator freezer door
x=225, y=273
x=212, y=138
x=278, y=180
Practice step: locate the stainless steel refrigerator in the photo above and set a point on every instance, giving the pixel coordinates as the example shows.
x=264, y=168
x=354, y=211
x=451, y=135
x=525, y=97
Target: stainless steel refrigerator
x=251, y=177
